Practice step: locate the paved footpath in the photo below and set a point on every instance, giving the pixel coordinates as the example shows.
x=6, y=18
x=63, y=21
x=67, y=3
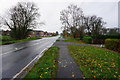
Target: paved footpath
x=67, y=68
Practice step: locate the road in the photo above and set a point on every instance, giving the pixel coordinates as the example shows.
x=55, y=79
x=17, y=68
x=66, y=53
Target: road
x=16, y=56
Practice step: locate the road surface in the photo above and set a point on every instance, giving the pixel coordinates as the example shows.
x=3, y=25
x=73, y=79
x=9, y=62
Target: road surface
x=16, y=56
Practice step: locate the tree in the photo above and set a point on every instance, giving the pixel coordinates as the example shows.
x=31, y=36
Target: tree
x=57, y=33
x=97, y=25
x=22, y=18
x=113, y=31
x=87, y=24
x=94, y=25
x=70, y=18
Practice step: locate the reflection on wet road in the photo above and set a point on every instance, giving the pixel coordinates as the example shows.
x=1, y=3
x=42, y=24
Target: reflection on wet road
x=17, y=56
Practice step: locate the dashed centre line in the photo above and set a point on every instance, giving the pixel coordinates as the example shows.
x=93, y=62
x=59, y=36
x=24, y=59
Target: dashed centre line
x=16, y=49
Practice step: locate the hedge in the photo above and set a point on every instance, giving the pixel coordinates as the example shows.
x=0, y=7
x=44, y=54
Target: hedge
x=101, y=38
x=98, y=41
x=113, y=44
x=87, y=39
x=117, y=36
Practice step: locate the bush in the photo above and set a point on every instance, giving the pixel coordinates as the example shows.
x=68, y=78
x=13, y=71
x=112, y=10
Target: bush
x=101, y=38
x=117, y=36
x=87, y=39
x=112, y=44
x=118, y=43
x=98, y=41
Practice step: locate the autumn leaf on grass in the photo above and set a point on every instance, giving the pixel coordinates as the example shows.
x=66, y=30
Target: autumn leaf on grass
x=115, y=76
x=53, y=65
x=94, y=76
x=33, y=70
x=45, y=72
x=47, y=68
x=40, y=76
x=116, y=72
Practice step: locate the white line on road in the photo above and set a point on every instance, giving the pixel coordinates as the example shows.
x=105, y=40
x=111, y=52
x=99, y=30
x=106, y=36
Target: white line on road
x=16, y=49
x=37, y=57
x=26, y=66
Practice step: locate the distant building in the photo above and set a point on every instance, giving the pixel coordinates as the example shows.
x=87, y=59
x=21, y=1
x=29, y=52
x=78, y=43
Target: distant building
x=36, y=33
x=46, y=33
x=50, y=34
x=5, y=33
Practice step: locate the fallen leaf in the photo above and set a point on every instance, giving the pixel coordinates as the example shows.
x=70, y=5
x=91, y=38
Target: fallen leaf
x=94, y=76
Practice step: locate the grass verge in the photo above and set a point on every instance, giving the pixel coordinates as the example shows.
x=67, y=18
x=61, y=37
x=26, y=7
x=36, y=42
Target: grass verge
x=57, y=40
x=46, y=67
x=16, y=41
x=5, y=38
x=74, y=41
x=95, y=62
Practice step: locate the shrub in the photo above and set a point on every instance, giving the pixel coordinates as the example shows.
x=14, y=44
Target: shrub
x=57, y=40
x=117, y=36
x=118, y=44
x=87, y=39
x=112, y=44
x=101, y=38
x=98, y=41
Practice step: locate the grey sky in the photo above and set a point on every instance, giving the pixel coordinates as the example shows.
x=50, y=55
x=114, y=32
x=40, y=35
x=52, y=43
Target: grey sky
x=50, y=10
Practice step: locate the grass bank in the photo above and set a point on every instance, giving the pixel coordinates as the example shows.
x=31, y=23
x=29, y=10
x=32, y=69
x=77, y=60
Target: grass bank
x=57, y=40
x=95, y=62
x=5, y=38
x=76, y=40
x=46, y=67
x=10, y=41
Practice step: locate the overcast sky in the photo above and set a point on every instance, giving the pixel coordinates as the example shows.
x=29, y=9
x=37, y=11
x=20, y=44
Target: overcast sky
x=50, y=10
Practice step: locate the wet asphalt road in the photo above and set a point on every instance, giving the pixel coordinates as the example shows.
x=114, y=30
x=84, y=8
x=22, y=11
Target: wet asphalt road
x=16, y=56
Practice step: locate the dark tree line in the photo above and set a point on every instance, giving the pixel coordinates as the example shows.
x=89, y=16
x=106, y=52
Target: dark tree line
x=75, y=22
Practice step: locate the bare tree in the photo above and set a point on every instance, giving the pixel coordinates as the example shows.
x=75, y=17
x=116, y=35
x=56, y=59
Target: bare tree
x=22, y=18
x=87, y=24
x=113, y=31
x=94, y=25
x=70, y=18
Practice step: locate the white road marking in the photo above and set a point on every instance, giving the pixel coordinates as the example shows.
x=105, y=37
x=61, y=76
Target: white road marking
x=37, y=57
x=16, y=49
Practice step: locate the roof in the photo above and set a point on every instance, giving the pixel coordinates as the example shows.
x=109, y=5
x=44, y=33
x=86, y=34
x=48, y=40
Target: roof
x=37, y=30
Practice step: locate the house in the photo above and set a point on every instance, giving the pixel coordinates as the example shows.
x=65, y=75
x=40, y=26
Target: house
x=36, y=33
x=46, y=33
x=5, y=33
x=50, y=34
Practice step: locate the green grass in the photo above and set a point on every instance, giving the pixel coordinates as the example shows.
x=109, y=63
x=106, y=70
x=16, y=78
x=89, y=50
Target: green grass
x=16, y=41
x=74, y=41
x=57, y=40
x=96, y=62
x=5, y=38
x=46, y=67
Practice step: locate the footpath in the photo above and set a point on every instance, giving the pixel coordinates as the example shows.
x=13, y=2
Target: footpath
x=67, y=68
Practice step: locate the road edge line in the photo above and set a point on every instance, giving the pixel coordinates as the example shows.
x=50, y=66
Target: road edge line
x=37, y=57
